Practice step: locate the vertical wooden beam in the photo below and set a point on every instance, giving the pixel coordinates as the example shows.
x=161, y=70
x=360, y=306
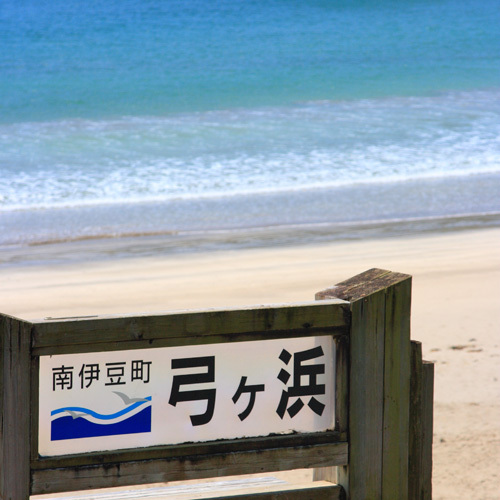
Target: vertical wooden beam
x=416, y=424
x=14, y=409
x=342, y=385
x=379, y=384
x=396, y=391
x=428, y=417
x=326, y=474
x=341, y=404
x=34, y=405
x=363, y=478
x=421, y=426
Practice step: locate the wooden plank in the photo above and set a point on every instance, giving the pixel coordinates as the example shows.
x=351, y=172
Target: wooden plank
x=329, y=474
x=396, y=391
x=363, y=479
x=34, y=406
x=199, y=326
x=14, y=409
x=341, y=403
x=185, y=468
x=363, y=476
x=362, y=285
x=378, y=383
x=416, y=423
x=342, y=288
x=320, y=490
x=181, y=451
x=428, y=416
x=260, y=488
x=421, y=426
x=186, y=341
x=342, y=385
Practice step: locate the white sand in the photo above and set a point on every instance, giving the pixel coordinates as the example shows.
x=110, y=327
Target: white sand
x=456, y=314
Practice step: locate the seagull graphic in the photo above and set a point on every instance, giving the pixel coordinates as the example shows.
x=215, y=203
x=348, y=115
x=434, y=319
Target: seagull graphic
x=127, y=400
x=74, y=414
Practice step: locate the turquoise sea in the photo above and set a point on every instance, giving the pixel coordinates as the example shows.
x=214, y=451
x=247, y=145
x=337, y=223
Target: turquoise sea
x=201, y=123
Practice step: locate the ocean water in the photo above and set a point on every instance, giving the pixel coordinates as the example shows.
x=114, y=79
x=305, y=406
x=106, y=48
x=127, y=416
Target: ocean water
x=306, y=119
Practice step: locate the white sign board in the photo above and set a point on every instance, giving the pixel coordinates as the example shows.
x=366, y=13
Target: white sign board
x=147, y=397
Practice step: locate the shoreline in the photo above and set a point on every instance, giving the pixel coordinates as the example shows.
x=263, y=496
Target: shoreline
x=202, y=222
x=170, y=243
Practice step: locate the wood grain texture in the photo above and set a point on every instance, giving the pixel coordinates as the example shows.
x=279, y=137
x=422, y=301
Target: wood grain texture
x=193, y=327
x=362, y=285
x=341, y=403
x=34, y=406
x=416, y=424
x=185, y=468
x=379, y=383
x=247, y=490
x=319, y=491
x=14, y=409
x=363, y=476
x=396, y=391
x=329, y=474
x=342, y=385
x=421, y=426
x=428, y=419
x=185, y=451
x=186, y=341
x=366, y=398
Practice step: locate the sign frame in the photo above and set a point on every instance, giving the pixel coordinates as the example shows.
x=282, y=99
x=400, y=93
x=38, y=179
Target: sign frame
x=171, y=462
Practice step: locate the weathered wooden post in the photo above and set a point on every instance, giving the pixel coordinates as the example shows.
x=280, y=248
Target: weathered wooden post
x=388, y=459
x=421, y=426
x=15, y=415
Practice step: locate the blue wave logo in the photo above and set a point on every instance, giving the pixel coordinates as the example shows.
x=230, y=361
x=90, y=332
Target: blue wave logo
x=73, y=422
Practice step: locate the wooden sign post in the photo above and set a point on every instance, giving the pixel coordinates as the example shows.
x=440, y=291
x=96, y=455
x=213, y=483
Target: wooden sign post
x=332, y=385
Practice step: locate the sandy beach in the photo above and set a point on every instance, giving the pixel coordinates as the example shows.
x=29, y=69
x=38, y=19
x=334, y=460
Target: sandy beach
x=183, y=156
x=455, y=313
